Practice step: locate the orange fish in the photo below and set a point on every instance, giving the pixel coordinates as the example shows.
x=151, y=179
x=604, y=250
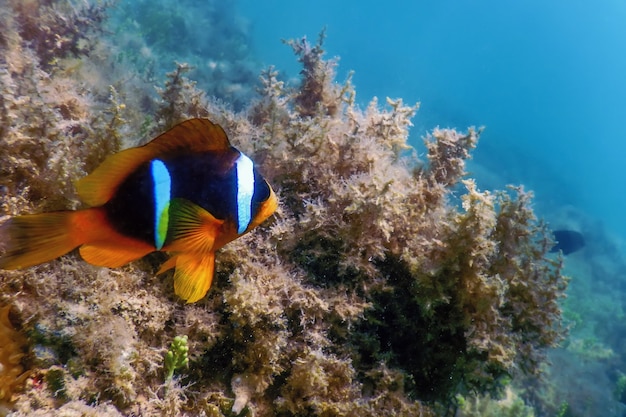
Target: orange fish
x=187, y=192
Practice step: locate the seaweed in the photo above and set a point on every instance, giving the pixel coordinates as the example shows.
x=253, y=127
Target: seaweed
x=12, y=352
x=370, y=292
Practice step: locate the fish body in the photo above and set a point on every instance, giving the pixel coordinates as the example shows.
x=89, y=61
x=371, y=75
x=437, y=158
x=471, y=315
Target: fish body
x=187, y=192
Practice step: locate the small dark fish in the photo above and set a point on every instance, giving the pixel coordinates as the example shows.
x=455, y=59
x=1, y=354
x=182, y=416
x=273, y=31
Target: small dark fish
x=567, y=241
x=187, y=192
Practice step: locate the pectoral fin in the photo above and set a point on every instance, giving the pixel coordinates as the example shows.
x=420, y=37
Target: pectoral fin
x=191, y=228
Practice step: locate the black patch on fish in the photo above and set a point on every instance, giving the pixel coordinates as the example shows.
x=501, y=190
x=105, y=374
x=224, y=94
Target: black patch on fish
x=567, y=241
x=261, y=192
x=208, y=180
x=131, y=209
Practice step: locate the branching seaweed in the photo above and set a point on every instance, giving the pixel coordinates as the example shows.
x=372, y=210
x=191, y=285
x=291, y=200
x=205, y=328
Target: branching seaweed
x=369, y=293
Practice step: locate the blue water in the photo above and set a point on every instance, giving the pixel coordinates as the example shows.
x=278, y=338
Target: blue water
x=546, y=78
x=548, y=81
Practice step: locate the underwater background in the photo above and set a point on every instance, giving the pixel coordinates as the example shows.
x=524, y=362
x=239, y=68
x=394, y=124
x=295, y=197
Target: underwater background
x=380, y=287
x=546, y=80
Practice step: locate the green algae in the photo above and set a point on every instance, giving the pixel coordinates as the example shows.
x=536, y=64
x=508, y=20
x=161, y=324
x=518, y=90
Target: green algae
x=176, y=357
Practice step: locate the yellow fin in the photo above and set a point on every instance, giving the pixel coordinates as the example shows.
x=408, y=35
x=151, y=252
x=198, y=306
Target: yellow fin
x=191, y=228
x=191, y=136
x=194, y=275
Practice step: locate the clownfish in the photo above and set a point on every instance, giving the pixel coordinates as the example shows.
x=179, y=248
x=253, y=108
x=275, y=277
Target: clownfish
x=187, y=192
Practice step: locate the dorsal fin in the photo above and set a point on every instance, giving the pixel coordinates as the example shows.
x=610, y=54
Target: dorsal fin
x=193, y=135
x=190, y=136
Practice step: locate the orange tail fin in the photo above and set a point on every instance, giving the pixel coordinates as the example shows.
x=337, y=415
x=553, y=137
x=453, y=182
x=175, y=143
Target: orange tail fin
x=33, y=239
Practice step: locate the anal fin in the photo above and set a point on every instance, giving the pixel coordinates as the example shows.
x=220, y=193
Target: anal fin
x=113, y=256
x=167, y=265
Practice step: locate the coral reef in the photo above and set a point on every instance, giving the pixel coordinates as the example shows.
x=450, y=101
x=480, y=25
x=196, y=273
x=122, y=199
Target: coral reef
x=371, y=292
